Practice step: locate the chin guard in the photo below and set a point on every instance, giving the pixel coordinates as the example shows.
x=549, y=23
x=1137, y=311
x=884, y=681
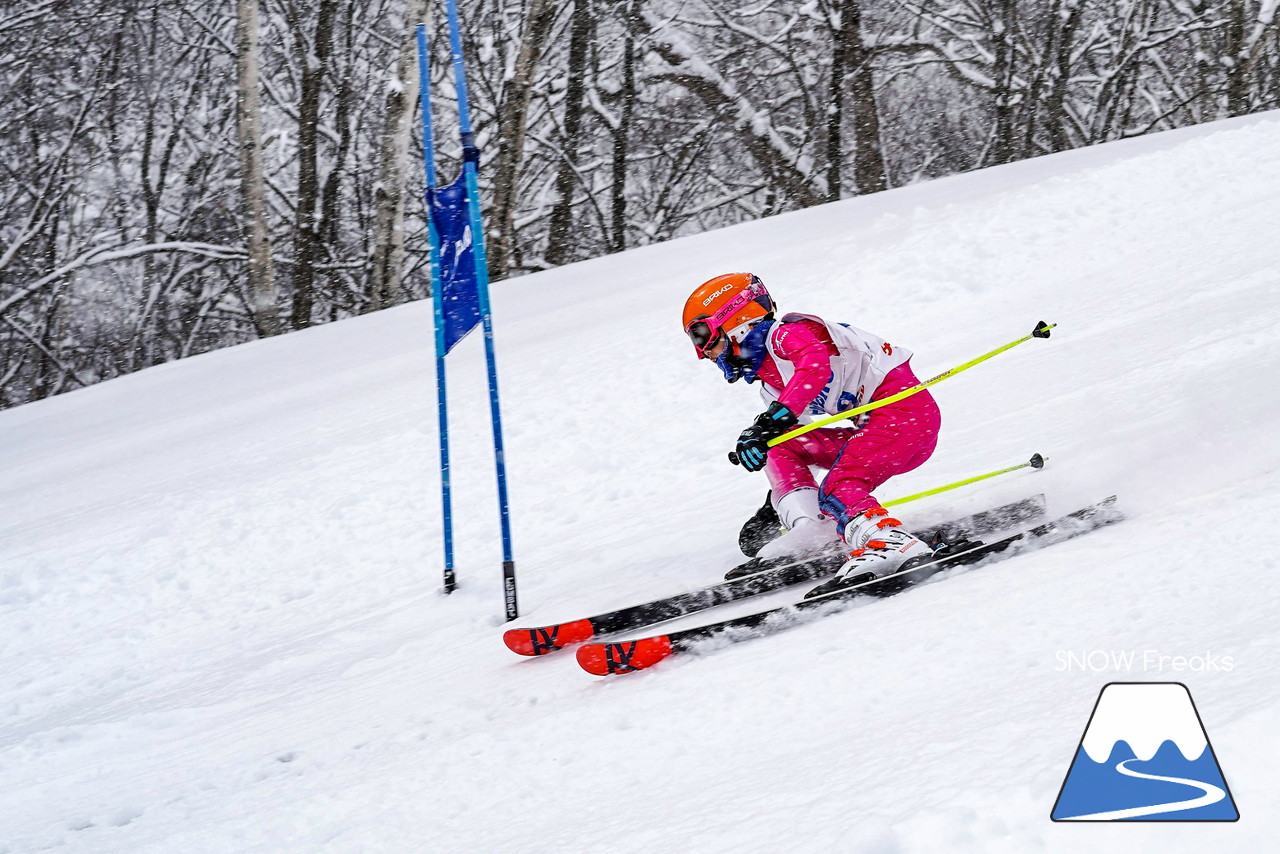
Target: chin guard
x=741, y=361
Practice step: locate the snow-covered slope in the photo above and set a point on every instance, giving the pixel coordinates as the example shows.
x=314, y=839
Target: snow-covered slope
x=220, y=626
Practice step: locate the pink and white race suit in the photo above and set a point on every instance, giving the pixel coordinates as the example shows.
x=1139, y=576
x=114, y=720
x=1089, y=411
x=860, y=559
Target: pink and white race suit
x=815, y=368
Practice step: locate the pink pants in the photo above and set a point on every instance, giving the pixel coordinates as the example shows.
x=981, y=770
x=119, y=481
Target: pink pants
x=898, y=438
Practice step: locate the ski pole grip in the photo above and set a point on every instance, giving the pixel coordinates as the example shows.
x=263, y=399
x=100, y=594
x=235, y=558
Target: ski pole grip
x=733, y=458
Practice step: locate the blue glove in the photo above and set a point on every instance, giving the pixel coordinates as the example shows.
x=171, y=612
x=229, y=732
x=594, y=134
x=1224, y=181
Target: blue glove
x=753, y=443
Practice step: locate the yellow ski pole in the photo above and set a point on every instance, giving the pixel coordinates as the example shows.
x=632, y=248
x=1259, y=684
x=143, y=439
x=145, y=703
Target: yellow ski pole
x=1036, y=462
x=1041, y=331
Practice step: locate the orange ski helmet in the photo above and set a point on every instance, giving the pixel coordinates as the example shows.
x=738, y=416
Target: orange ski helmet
x=730, y=304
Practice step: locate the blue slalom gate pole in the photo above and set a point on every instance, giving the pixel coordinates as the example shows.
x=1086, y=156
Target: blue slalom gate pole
x=428, y=162
x=471, y=159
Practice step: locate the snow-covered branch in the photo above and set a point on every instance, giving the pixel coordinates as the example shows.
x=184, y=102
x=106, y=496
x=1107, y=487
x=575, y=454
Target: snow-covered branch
x=98, y=256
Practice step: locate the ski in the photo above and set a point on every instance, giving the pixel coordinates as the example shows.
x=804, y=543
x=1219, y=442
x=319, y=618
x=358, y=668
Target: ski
x=752, y=578
x=603, y=659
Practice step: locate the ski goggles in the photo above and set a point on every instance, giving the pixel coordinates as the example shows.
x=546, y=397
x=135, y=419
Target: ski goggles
x=705, y=330
x=702, y=335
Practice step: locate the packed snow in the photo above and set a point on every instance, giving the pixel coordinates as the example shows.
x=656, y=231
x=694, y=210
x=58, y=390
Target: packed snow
x=221, y=624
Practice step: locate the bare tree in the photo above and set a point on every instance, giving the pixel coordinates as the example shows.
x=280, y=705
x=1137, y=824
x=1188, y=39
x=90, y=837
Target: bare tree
x=513, y=117
x=262, y=279
x=852, y=72
x=622, y=131
x=559, y=230
x=389, y=191
x=140, y=203
x=312, y=51
x=786, y=168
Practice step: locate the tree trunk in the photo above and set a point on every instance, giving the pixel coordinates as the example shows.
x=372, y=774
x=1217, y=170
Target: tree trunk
x=835, y=100
x=1003, y=145
x=388, y=194
x=560, y=231
x=868, y=165
x=513, y=115
x=1237, y=59
x=306, y=239
x=1056, y=120
x=621, y=137
x=331, y=230
x=262, y=276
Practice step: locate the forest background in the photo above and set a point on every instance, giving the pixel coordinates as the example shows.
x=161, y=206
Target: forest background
x=181, y=176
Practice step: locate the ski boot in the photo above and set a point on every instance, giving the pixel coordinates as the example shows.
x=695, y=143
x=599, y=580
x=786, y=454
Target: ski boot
x=760, y=529
x=881, y=548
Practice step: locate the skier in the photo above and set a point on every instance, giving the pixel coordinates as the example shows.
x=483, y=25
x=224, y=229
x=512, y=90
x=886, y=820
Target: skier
x=809, y=368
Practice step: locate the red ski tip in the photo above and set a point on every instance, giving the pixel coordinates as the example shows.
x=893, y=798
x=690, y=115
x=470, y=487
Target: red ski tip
x=603, y=659
x=545, y=639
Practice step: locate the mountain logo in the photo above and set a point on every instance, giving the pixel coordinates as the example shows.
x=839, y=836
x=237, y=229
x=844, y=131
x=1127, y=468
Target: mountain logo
x=1145, y=756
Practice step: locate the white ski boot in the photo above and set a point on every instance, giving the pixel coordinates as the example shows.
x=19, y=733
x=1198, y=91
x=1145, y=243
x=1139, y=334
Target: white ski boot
x=880, y=547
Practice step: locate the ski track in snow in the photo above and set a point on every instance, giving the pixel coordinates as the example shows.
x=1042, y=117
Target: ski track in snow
x=219, y=622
